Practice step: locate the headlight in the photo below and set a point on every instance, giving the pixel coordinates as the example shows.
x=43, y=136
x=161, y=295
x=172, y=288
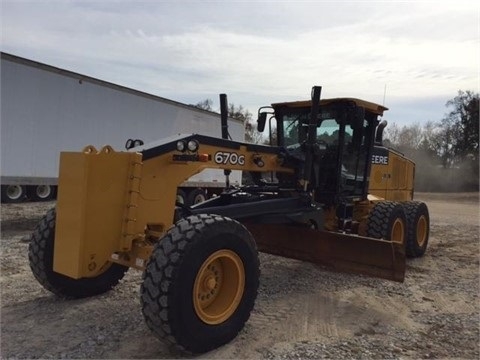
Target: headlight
x=192, y=145
x=181, y=146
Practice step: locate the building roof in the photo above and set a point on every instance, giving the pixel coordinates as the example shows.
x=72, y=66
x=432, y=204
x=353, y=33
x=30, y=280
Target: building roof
x=86, y=78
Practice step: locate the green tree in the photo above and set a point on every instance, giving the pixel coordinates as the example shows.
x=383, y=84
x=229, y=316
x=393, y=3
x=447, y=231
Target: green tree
x=461, y=125
x=451, y=143
x=457, y=141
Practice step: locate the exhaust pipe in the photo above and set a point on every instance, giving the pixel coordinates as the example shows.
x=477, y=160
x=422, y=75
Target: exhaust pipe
x=225, y=135
x=379, y=134
x=311, y=135
x=224, y=115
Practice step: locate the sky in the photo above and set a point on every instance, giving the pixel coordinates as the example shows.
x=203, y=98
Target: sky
x=412, y=56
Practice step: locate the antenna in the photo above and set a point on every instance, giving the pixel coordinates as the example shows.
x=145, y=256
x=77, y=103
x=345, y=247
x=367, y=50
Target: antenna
x=384, y=94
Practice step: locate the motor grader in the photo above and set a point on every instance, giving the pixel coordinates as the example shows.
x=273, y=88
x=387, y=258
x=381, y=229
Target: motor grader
x=308, y=199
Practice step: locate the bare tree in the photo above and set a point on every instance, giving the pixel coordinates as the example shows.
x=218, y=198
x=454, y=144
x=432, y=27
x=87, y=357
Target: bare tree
x=204, y=104
x=451, y=143
x=239, y=113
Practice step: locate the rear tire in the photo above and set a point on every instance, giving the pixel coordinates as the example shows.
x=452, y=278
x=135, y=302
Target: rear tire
x=418, y=220
x=40, y=256
x=200, y=283
x=181, y=197
x=40, y=192
x=196, y=196
x=388, y=221
x=13, y=193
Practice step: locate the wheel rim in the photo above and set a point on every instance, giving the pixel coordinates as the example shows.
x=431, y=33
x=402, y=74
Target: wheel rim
x=199, y=199
x=180, y=199
x=14, y=192
x=422, y=230
x=219, y=287
x=398, y=231
x=43, y=191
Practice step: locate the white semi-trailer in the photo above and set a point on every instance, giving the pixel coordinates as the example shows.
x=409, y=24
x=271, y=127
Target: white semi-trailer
x=45, y=110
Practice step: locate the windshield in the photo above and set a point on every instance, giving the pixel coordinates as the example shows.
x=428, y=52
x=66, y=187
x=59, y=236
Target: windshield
x=295, y=128
x=340, y=150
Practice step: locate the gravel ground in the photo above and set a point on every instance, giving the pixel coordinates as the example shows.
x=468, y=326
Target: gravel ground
x=302, y=311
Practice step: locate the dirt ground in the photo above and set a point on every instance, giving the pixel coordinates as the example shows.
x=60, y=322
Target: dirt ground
x=302, y=311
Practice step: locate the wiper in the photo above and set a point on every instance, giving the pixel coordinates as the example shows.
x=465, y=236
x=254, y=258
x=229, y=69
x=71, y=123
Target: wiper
x=292, y=123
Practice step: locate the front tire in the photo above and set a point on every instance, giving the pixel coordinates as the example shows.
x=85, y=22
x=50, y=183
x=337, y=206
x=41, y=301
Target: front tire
x=40, y=256
x=200, y=283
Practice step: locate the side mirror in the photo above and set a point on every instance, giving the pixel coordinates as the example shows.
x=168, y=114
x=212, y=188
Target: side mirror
x=261, y=121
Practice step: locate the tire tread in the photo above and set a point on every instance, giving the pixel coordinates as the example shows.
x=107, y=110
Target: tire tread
x=162, y=271
x=40, y=256
x=378, y=220
x=413, y=210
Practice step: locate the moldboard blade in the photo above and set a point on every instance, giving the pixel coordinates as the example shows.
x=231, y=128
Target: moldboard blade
x=340, y=252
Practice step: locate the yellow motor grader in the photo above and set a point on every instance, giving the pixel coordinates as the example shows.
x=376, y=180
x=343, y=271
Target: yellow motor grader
x=117, y=210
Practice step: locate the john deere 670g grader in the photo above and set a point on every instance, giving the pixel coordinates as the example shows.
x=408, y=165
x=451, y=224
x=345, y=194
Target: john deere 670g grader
x=117, y=210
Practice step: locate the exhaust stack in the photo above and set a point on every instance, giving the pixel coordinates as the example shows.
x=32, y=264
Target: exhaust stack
x=225, y=135
x=379, y=134
x=224, y=115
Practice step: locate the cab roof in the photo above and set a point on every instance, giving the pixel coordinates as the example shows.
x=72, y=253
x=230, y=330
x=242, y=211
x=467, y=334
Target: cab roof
x=369, y=106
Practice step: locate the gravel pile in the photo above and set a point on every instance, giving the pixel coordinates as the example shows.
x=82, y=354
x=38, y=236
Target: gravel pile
x=302, y=310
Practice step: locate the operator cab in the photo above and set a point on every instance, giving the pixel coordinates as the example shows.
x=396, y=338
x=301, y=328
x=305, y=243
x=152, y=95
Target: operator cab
x=344, y=138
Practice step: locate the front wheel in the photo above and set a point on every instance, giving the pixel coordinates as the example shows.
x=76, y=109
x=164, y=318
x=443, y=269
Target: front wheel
x=200, y=283
x=40, y=256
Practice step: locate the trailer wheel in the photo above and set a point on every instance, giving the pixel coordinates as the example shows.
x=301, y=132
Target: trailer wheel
x=387, y=221
x=200, y=283
x=196, y=196
x=40, y=256
x=40, y=192
x=181, y=197
x=12, y=193
x=418, y=220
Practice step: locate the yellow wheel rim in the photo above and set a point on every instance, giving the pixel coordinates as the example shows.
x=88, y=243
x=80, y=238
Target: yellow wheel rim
x=218, y=287
x=398, y=232
x=422, y=230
